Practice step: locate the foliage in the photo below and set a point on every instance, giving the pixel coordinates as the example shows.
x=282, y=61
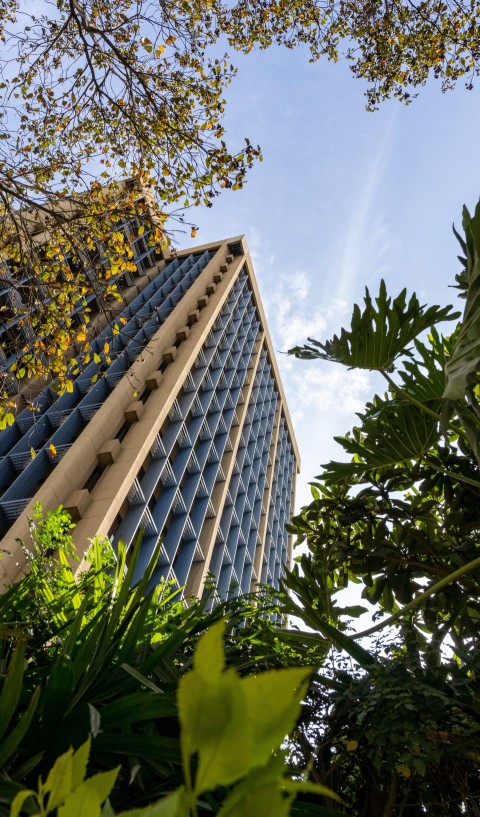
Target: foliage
x=104, y=660
x=232, y=724
x=396, y=727
x=91, y=94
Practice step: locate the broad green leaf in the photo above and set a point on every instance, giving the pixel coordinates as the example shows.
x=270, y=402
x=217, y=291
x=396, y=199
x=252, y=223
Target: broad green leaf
x=209, y=656
x=379, y=333
x=273, y=701
x=424, y=373
x=89, y=796
x=464, y=361
x=261, y=793
x=269, y=801
x=67, y=774
x=59, y=782
x=81, y=802
x=212, y=716
x=79, y=763
x=392, y=432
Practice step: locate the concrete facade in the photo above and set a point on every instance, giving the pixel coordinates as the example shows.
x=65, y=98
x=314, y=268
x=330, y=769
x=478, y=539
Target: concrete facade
x=178, y=427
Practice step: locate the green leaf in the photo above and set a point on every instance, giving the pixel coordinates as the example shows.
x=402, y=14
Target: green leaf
x=273, y=702
x=107, y=810
x=261, y=793
x=18, y=802
x=212, y=715
x=209, y=658
x=11, y=743
x=12, y=687
x=378, y=334
x=174, y=805
x=79, y=763
x=57, y=695
x=300, y=809
x=66, y=775
x=89, y=796
x=140, y=706
x=464, y=361
x=392, y=432
x=83, y=801
x=147, y=747
x=141, y=678
x=269, y=801
x=60, y=780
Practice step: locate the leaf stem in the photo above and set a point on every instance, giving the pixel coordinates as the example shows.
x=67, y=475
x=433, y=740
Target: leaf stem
x=409, y=397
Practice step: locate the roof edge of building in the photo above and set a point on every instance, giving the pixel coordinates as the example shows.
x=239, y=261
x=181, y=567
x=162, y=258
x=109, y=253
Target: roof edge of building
x=246, y=252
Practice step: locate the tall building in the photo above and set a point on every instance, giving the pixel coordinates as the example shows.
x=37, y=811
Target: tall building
x=177, y=427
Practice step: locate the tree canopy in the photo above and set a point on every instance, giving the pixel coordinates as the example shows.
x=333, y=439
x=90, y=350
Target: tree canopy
x=399, y=729
x=91, y=93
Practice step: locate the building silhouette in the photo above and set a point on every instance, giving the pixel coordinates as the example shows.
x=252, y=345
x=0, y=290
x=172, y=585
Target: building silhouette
x=176, y=427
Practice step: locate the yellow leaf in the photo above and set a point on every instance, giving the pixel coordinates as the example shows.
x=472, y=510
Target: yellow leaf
x=123, y=320
x=170, y=40
x=141, y=230
x=33, y=453
x=193, y=232
x=106, y=347
x=406, y=771
x=52, y=450
x=352, y=745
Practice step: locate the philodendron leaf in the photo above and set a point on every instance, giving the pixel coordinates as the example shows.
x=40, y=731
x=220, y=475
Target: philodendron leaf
x=379, y=333
x=392, y=432
x=464, y=361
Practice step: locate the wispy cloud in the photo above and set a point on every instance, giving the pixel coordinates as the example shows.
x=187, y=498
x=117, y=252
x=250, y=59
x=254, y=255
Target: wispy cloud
x=367, y=241
x=322, y=397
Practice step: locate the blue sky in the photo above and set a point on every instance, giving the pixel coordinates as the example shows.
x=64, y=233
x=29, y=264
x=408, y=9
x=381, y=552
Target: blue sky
x=343, y=198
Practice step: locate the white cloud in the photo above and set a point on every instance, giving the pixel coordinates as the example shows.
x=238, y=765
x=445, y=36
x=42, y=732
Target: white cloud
x=322, y=397
x=327, y=387
x=368, y=244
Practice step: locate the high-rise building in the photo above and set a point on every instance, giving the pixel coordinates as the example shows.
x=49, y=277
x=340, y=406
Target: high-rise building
x=177, y=427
